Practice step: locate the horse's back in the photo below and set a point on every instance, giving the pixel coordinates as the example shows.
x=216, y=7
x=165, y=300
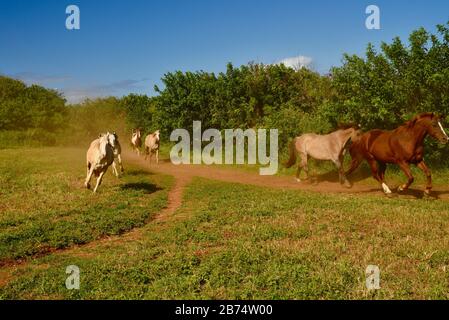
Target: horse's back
x=317, y=146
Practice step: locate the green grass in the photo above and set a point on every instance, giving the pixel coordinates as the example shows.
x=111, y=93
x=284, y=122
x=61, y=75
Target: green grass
x=231, y=241
x=44, y=205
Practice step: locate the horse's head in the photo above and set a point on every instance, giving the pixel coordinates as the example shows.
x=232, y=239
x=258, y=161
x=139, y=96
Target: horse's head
x=434, y=127
x=112, y=139
x=157, y=134
x=353, y=130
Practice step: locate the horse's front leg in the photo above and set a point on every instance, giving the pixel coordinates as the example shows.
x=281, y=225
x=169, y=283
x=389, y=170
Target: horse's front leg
x=428, y=174
x=114, y=169
x=405, y=167
x=99, y=179
x=157, y=156
x=90, y=171
x=341, y=173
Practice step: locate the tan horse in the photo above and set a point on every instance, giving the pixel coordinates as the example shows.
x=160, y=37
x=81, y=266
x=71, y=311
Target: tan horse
x=152, y=145
x=136, y=140
x=117, y=157
x=322, y=147
x=99, y=157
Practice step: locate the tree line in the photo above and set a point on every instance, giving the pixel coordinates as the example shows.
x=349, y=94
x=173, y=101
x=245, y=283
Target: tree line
x=382, y=89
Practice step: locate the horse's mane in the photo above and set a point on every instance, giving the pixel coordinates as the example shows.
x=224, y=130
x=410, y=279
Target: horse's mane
x=420, y=116
x=345, y=126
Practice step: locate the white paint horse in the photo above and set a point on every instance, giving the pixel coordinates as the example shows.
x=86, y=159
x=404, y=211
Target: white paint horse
x=117, y=157
x=152, y=142
x=99, y=157
x=136, y=140
x=322, y=147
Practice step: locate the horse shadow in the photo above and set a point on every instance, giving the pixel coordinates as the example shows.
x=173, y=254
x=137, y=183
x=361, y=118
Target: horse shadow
x=146, y=187
x=419, y=194
x=333, y=176
x=138, y=172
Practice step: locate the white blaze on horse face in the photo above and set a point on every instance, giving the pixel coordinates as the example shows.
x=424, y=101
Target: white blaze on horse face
x=111, y=139
x=386, y=189
x=442, y=130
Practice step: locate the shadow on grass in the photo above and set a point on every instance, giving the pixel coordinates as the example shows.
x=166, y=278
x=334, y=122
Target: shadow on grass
x=332, y=176
x=141, y=186
x=419, y=194
x=138, y=172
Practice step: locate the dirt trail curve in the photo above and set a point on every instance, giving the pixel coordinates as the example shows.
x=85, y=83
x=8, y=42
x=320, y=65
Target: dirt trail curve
x=183, y=173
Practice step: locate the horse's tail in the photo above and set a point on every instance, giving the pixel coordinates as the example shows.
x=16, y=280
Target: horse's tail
x=292, y=158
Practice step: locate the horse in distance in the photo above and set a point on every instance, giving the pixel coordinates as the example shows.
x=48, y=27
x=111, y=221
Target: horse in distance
x=136, y=140
x=99, y=157
x=331, y=147
x=152, y=142
x=402, y=146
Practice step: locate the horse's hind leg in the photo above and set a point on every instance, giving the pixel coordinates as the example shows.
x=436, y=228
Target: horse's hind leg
x=355, y=163
x=341, y=174
x=157, y=156
x=377, y=174
x=406, y=169
x=428, y=174
x=302, y=165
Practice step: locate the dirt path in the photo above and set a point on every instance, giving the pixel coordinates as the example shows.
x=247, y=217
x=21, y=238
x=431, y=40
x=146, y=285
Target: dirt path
x=187, y=172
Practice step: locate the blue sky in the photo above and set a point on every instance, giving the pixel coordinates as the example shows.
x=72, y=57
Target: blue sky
x=126, y=46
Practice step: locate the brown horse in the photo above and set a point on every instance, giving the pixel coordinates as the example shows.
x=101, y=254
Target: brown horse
x=402, y=146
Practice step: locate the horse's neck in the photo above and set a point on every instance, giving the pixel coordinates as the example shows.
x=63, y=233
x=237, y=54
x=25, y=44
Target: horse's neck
x=345, y=135
x=418, y=132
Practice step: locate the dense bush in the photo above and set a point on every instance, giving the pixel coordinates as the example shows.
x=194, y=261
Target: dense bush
x=381, y=90
x=29, y=114
x=389, y=87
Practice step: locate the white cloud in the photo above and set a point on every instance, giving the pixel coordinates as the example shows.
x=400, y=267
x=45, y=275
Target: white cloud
x=297, y=62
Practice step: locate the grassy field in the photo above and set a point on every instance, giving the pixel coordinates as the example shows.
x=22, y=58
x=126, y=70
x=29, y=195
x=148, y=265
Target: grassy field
x=227, y=241
x=44, y=205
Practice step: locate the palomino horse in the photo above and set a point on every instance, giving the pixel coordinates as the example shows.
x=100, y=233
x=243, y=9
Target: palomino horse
x=322, y=147
x=99, y=157
x=152, y=145
x=117, y=157
x=136, y=140
x=403, y=146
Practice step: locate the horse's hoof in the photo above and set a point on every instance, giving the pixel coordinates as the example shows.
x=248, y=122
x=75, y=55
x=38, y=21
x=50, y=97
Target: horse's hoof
x=87, y=186
x=298, y=180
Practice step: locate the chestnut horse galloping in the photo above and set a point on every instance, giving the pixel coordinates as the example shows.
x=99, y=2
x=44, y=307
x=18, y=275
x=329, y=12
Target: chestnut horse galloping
x=402, y=146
